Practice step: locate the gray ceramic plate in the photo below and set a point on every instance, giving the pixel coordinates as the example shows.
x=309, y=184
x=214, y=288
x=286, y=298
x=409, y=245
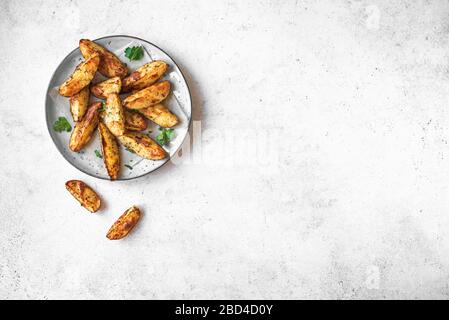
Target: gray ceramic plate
x=179, y=102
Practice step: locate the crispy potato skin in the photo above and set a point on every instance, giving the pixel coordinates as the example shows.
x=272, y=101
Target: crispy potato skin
x=135, y=121
x=124, y=224
x=160, y=115
x=143, y=146
x=81, y=77
x=82, y=132
x=145, y=76
x=110, y=151
x=148, y=97
x=79, y=103
x=110, y=66
x=103, y=89
x=84, y=194
x=113, y=116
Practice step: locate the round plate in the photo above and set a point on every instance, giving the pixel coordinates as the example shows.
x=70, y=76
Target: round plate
x=133, y=166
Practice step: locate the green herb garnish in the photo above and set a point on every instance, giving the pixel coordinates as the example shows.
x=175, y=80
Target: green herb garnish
x=103, y=106
x=165, y=136
x=134, y=53
x=61, y=125
x=128, y=166
x=98, y=154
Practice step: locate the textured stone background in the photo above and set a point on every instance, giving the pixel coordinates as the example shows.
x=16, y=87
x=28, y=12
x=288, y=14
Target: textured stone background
x=322, y=169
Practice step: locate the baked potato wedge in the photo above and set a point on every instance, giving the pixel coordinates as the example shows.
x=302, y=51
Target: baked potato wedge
x=82, y=132
x=124, y=224
x=135, y=121
x=113, y=115
x=145, y=76
x=88, y=198
x=103, y=89
x=148, y=97
x=81, y=77
x=160, y=115
x=110, y=151
x=110, y=66
x=79, y=104
x=143, y=146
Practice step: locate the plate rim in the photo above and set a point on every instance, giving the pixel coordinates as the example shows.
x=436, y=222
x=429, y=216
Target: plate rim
x=119, y=179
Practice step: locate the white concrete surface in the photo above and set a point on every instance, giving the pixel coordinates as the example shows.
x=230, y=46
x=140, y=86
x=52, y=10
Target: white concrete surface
x=321, y=171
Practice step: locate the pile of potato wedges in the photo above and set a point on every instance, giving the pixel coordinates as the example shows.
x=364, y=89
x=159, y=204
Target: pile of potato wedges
x=129, y=100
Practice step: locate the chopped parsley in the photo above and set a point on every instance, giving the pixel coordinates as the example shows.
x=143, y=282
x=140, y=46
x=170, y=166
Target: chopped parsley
x=134, y=53
x=165, y=136
x=98, y=154
x=62, y=124
x=103, y=106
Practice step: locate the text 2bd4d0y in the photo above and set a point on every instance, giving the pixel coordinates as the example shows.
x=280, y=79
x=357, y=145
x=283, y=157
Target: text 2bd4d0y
x=228, y=309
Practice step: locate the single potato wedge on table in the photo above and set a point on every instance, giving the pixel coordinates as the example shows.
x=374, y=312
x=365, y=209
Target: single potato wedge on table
x=110, y=66
x=148, y=97
x=113, y=115
x=84, y=194
x=145, y=76
x=81, y=77
x=160, y=115
x=143, y=146
x=79, y=103
x=110, y=151
x=124, y=224
x=135, y=121
x=82, y=132
x=103, y=89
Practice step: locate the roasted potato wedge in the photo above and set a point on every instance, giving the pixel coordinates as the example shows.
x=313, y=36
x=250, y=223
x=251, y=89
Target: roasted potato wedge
x=148, y=97
x=135, y=121
x=113, y=115
x=124, y=224
x=145, y=76
x=143, y=146
x=84, y=194
x=82, y=132
x=103, y=89
x=110, y=151
x=81, y=77
x=79, y=103
x=110, y=66
x=160, y=115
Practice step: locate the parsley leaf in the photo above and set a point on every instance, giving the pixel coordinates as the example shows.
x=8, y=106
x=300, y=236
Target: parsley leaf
x=98, y=154
x=61, y=125
x=165, y=136
x=128, y=166
x=103, y=106
x=134, y=53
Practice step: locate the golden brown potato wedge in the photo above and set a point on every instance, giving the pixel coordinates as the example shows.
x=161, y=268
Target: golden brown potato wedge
x=143, y=146
x=82, y=132
x=113, y=115
x=148, y=97
x=79, y=103
x=81, y=77
x=145, y=76
x=110, y=66
x=124, y=224
x=103, y=89
x=84, y=194
x=110, y=151
x=160, y=115
x=135, y=121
